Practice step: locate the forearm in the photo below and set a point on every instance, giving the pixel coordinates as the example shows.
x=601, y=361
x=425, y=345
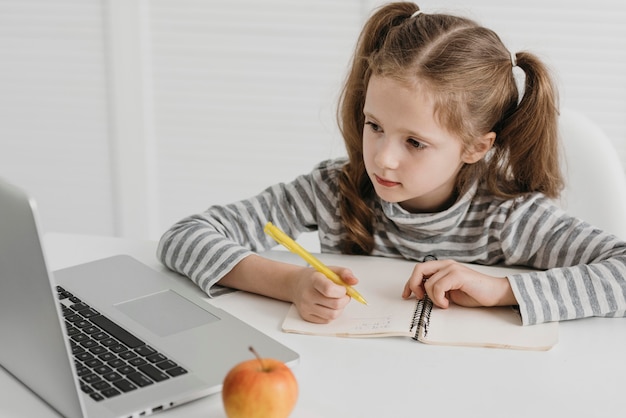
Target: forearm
x=263, y=276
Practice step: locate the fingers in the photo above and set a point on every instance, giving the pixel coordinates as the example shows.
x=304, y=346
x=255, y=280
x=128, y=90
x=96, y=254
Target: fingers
x=330, y=310
x=324, y=300
x=435, y=278
x=422, y=272
x=321, y=314
x=346, y=275
x=329, y=289
x=447, y=281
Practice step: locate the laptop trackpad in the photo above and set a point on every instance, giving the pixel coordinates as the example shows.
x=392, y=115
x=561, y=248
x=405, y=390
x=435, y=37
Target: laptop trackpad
x=166, y=313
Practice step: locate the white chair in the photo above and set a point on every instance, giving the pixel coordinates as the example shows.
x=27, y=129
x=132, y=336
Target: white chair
x=595, y=188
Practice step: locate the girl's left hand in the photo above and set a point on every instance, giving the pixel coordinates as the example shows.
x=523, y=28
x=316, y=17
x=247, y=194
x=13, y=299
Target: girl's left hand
x=447, y=280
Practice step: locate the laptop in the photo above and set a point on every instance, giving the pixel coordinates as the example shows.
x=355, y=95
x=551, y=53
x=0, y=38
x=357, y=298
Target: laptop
x=113, y=337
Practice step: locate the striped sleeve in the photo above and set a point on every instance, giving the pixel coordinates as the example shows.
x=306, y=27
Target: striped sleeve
x=582, y=269
x=206, y=246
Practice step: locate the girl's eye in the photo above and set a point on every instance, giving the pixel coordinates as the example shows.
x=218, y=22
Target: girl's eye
x=374, y=127
x=415, y=143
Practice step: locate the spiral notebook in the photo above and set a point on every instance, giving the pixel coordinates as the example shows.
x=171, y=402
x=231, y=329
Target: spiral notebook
x=381, y=281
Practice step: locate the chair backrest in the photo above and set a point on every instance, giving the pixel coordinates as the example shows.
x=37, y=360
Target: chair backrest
x=595, y=188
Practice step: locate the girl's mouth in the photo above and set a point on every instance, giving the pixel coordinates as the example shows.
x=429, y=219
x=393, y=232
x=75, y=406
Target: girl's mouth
x=385, y=182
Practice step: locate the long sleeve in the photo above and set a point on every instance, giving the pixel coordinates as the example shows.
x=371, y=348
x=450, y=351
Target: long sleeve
x=585, y=268
x=206, y=246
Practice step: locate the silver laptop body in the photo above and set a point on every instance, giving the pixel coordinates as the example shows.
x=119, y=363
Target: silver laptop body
x=204, y=341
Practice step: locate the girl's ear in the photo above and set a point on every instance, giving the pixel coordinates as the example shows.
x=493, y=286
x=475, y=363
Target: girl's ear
x=480, y=147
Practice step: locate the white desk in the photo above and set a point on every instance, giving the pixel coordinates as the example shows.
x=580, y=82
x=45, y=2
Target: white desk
x=395, y=377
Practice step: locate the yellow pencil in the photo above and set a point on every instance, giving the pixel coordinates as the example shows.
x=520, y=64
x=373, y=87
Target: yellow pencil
x=296, y=248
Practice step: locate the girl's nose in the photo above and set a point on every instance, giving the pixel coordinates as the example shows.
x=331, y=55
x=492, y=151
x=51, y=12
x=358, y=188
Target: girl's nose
x=387, y=155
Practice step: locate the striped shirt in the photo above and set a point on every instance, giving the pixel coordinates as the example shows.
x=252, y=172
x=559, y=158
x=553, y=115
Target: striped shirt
x=581, y=271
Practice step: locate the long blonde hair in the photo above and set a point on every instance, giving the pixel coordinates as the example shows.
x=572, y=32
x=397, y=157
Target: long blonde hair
x=469, y=71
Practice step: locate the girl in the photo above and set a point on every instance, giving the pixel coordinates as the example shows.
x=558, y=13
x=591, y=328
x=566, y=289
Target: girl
x=444, y=159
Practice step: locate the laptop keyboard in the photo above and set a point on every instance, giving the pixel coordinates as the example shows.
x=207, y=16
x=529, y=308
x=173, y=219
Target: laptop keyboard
x=110, y=360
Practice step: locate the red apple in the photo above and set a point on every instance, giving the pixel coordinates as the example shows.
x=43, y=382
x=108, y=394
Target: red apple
x=259, y=388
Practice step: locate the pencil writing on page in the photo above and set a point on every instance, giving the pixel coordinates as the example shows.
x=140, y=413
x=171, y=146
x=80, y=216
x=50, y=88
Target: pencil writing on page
x=284, y=239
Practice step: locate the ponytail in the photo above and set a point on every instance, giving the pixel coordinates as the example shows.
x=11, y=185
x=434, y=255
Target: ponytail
x=526, y=150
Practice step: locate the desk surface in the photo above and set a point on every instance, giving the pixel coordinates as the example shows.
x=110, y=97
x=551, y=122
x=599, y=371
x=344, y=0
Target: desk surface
x=393, y=377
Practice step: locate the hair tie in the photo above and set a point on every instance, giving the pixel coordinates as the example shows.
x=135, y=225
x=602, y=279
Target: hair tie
x=417, y=13
x=513, y=58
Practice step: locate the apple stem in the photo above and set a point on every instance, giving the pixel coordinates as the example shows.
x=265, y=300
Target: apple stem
x=258, y=357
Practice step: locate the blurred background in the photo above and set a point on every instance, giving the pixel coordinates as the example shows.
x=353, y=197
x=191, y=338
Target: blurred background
x=122, y=116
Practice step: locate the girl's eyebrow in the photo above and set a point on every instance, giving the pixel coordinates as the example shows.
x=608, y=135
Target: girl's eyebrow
x=418, y=135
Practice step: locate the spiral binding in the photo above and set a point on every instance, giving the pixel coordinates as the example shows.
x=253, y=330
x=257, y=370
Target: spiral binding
x=421, y=316
x=419, y=306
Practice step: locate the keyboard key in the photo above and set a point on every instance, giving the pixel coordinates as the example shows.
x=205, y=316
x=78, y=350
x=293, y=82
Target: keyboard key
x=124, y=385
x=156, y=357
x=176, y=371
x=79, y=306
x=118, y=348
x=125, y=370
x=112, y=376
x=116, y=363
x=82, y=371
x=167, y=364
x=89, y=344
x=137, y=361
x=96, y=397
x=127, y=355
x=102, y=385
x=146, y=350
x=85, y=355
x=153, y=373
x=88, y=313
x=97, y=349
x=107, y=356
x=74, y=317
x=100, y=335
x=91, y=329
x=111, y=392
x=77, y=349
x=91, y=378
x=94, y=363
x=79, y=337
x=117, y=331
x=102, y=370
x=139, y=379
x=108, y=342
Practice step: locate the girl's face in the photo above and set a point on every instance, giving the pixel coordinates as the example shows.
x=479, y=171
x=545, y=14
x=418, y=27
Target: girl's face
x=409, y=157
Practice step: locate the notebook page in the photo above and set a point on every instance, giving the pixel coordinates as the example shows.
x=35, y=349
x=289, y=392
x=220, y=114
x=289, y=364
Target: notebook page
x=487, y=327
x=381, y=281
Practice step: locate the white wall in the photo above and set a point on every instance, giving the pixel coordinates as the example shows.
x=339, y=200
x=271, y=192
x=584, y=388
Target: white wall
x=122, y=116
x=54, y=127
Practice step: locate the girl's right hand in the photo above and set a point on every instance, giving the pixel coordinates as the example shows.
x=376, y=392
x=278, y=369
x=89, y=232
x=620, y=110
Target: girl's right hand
x=317, y=298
